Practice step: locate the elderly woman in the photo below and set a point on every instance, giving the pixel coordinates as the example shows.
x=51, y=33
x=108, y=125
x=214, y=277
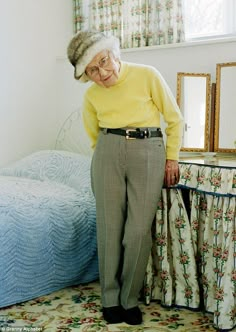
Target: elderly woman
x=121, y=114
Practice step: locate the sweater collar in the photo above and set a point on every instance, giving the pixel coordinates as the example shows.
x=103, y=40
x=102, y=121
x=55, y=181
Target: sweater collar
x=122, y=73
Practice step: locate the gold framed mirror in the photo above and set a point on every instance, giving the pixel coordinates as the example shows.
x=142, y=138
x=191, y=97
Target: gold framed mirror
x=193, y=98
x=225, y=108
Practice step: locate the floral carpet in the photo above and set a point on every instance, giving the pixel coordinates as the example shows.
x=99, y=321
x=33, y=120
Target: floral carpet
x=78, y=308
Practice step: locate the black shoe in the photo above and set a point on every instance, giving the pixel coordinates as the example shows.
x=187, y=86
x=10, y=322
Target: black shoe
x=133, y=316
x=113, y=315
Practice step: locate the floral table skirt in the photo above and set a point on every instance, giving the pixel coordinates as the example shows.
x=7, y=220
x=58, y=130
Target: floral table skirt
x=193, y=260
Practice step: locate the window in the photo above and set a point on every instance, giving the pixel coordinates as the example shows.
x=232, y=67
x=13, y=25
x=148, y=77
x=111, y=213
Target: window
x=209, y=18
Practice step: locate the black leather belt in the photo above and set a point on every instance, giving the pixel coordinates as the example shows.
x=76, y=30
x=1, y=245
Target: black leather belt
x=135, y=133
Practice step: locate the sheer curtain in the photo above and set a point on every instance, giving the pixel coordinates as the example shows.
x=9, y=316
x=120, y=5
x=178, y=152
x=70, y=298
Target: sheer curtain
x=137, y=23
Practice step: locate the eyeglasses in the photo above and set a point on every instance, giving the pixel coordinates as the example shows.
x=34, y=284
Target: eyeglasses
x=104, y=63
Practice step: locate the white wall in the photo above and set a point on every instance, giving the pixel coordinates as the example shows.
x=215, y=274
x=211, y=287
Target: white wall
x=32, y=34
x=38, y=90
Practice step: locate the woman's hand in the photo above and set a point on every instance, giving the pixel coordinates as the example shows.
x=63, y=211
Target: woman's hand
x=171, y=173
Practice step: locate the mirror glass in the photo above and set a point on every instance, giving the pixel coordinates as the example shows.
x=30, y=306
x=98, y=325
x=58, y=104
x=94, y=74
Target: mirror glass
x=225, y=108
x=193, y=98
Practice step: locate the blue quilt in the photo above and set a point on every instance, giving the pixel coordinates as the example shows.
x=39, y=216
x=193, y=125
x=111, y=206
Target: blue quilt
x=47, y=225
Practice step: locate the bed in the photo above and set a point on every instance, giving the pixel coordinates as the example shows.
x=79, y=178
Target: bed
x=47, y=223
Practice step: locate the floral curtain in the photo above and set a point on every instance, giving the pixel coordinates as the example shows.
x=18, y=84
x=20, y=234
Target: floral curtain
x=137, y=23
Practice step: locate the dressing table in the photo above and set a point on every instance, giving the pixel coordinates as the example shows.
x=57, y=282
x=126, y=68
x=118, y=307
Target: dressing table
x=193, y=260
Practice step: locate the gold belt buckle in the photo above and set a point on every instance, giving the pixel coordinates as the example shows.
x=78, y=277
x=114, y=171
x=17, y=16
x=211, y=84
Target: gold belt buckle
x=127, y=131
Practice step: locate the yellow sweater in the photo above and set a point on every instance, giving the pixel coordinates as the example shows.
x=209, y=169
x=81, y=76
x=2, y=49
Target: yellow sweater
x=136, y=100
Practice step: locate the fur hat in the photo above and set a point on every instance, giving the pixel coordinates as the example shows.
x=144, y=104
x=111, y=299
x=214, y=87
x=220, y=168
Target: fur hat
x=84, y=46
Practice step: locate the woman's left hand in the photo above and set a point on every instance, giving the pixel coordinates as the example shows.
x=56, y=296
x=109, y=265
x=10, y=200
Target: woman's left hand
x=171, y=173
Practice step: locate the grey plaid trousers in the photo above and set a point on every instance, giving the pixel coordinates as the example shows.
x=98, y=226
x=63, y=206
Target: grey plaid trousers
x=127, y=178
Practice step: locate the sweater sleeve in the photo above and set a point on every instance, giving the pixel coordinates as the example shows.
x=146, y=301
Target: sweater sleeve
x=167, y=105
x=90, y=121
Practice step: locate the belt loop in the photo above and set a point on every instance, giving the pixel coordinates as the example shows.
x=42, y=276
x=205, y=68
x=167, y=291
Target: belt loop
x=104, y=130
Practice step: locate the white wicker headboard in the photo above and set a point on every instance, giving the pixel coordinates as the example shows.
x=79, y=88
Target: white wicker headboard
x=72, y=136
